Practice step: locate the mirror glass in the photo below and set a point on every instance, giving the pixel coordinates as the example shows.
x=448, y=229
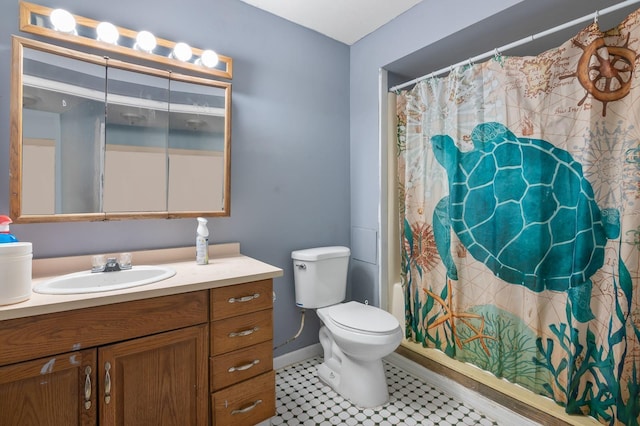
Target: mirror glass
x=197, y=129
x=137, y=128
x=62, y=120
x=95, y=139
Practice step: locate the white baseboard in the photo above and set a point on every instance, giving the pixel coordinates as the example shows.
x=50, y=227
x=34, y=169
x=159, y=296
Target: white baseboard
x=499, y=413
x=297, y=356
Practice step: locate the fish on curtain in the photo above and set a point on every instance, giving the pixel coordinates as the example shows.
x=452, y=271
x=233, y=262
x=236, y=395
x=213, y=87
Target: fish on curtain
x=520, y=217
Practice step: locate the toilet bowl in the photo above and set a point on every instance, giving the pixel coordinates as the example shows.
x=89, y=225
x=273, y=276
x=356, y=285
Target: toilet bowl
x=355, y=337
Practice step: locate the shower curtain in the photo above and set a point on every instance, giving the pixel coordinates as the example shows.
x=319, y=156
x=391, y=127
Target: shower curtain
x=520, y=219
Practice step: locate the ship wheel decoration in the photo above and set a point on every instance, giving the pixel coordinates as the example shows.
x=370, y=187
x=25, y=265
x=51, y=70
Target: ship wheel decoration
x=605, y=71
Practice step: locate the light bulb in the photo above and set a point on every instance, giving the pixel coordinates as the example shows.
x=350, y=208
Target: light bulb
x=63, y=21
x=145, y=41
x=208, y=59
x=107, y=32
x=182, y=52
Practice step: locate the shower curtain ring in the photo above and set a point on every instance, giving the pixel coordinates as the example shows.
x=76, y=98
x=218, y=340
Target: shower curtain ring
x=595, y=16
x=497, y=56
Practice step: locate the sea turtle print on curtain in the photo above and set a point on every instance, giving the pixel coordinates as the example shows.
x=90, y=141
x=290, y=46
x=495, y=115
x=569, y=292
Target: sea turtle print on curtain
x=523, y=208
x=520, y=217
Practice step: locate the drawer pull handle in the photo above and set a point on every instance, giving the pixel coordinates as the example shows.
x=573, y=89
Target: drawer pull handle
x=87, y=388
x=107, y=383
x=244, y=333
x=244, y=367
x=244, y=298
x=247, y=409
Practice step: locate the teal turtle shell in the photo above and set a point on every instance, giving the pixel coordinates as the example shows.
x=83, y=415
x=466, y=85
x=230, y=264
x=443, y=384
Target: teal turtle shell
x=523, y=208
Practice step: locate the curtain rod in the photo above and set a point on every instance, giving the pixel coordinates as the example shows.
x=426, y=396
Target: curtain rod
x=529, y=39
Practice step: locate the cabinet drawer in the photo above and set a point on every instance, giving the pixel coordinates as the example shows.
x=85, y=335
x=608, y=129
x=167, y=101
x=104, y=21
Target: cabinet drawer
x=240, y=332
x=233, y=367
x=246, y=403
x=241, y=299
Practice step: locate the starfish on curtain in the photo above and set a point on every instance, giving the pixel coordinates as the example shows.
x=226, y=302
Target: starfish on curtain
x=450, y=315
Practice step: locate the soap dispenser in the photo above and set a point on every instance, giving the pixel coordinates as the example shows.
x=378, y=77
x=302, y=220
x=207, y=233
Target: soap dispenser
x=5, y=235
x=202, y=242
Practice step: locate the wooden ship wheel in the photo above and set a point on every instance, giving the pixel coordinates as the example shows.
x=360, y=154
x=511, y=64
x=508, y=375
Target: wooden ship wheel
x=605, y=71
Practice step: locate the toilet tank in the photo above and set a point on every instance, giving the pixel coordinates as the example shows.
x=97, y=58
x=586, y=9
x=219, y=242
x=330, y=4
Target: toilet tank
x=320, y=276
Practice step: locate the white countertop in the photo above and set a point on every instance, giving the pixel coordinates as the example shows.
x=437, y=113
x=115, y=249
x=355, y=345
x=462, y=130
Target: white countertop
x=227, y=266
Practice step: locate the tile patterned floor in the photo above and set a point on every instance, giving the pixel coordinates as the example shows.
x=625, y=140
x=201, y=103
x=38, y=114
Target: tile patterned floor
x=302, y=399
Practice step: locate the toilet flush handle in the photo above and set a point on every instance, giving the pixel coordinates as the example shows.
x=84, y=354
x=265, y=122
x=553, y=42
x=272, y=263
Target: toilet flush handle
x=301, y=266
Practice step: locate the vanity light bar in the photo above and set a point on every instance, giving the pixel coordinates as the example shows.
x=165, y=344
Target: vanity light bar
x=62, y=25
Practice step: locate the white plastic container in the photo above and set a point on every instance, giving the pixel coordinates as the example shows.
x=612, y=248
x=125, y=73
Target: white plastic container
x=15, y=272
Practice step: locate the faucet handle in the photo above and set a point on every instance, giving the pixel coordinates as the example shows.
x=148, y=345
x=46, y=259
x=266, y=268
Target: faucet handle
x=124, y=260
x=98, y=263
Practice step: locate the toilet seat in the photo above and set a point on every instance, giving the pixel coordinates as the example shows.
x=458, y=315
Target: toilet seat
x=355, y=316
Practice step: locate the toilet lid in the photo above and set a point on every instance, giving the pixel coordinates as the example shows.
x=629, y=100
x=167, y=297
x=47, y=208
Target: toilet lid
x=363, y=317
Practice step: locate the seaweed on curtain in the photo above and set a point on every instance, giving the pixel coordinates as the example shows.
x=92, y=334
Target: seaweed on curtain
x=595, y=382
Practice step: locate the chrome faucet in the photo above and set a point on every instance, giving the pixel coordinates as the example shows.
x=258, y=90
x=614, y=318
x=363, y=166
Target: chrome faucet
x=111, y=264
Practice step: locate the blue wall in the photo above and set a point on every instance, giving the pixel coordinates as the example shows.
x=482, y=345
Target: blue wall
x=290, y=140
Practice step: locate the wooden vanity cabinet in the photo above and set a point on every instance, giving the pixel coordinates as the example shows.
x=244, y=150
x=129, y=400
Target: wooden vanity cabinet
x=199, y=358
x=242, y=380
x=145, y=364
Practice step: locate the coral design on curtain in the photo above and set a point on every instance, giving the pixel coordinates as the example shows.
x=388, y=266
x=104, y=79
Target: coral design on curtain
x=520, y=210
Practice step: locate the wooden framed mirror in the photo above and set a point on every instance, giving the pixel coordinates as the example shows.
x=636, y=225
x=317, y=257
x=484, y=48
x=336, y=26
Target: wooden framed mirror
x=94, y=138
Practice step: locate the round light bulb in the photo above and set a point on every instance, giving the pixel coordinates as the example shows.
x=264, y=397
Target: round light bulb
x=145, y=41
x=107, y=32
x=63, y=21
x=208, y=59
x=182, y=52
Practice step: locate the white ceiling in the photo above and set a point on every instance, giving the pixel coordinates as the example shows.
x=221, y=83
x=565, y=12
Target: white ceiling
x=344, y=20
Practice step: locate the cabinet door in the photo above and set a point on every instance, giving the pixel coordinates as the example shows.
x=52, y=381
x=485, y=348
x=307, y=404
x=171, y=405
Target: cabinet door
x=58, y=390
x=155, y=380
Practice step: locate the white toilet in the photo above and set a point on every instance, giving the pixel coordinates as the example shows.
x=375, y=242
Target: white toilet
x=355, y=337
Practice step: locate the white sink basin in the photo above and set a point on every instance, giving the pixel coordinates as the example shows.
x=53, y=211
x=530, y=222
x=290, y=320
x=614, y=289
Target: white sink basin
x=91, y=282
